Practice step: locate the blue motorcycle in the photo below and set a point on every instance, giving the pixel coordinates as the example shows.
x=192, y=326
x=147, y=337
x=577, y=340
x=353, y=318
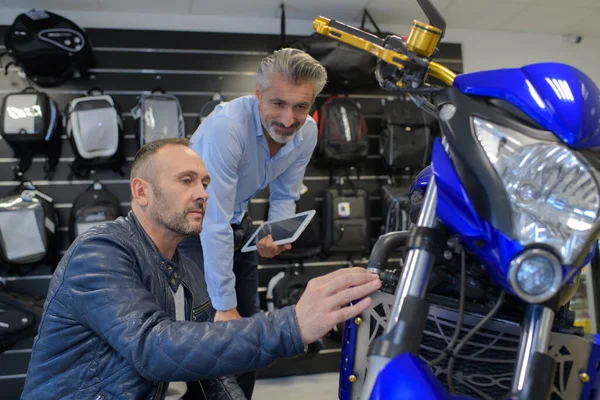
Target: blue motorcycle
x=505, y=218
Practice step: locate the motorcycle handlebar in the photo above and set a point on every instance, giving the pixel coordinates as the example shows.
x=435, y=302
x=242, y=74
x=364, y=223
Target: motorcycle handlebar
x=372, y=44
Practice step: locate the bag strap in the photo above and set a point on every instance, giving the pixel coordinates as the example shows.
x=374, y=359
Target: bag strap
x=394, y=208
x=24, y=160
x=367, y=15
x=4, y=53
x=78, y=171
x=8, y=66
x=282, y=35
x=53, y=150
x=29, y=89
x=25, y=184
x=343, y=181
x=18, y=174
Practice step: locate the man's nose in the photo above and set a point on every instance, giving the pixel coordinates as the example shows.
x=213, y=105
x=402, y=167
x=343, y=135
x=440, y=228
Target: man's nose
x=201, y=194
x=287, y=117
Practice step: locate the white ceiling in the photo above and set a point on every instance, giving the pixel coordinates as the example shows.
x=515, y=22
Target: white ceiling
x=540, y=16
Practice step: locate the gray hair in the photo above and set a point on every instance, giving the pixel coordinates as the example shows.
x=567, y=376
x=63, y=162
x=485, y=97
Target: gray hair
x=296, y=66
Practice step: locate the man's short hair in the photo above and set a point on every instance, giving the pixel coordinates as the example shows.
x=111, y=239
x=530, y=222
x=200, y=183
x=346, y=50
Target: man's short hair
x=294, y=65
x=142, y=157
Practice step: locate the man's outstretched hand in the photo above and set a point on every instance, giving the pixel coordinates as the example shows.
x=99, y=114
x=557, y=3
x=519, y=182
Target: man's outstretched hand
x=324, y=303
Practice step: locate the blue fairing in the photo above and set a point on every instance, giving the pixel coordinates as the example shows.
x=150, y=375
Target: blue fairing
x=457, y=213
x=421, y=181
x=560, y=98
x=407, y=377
x=347, y=360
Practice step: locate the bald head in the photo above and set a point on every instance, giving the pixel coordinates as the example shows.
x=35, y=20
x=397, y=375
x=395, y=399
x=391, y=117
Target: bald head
x=143, y=163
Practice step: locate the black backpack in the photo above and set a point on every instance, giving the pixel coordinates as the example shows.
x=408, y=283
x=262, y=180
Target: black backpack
x=19, y=318
x=342, y=132
x=405, y=139
x=286, y=288
x=346, y=220
x=94, y=127
x=28, y=221
x=347, y=67
x=210, y=106
x=30, y=126
x=49, y=48
x=94, y=206
x=160, y=117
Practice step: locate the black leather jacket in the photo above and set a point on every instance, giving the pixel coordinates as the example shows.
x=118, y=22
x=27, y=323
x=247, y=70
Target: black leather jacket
x=109, y=330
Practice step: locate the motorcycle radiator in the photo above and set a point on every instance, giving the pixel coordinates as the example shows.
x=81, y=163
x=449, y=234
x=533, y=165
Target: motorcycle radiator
x=485, y=365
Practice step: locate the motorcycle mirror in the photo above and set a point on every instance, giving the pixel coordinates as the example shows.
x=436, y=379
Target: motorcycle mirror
x=434, y=16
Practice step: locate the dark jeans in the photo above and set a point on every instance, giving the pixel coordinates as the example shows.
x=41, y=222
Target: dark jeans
x=245, y=269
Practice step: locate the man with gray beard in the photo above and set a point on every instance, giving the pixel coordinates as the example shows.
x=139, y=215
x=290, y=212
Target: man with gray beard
x=248, y=144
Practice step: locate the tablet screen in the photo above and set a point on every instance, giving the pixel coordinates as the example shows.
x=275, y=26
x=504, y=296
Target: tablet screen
x=280, y=230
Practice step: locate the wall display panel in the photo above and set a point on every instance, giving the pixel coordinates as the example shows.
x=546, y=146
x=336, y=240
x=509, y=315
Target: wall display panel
x=190, y=65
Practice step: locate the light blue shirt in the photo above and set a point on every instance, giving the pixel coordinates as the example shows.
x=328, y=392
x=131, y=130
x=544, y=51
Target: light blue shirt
x=236, y=154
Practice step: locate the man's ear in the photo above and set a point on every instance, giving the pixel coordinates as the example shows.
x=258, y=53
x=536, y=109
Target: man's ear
x=257, y=91
x=140, y=191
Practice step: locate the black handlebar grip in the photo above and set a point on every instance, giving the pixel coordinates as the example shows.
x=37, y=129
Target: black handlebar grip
x=355, y=32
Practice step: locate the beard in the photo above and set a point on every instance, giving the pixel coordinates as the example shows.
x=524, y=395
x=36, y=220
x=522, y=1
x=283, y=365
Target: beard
x=281, y=138
x=176, y=222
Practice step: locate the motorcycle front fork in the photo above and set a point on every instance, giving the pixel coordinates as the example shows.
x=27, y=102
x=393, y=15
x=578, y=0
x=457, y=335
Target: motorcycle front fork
x=409, y=314
x=534, y=372
x=534, y=368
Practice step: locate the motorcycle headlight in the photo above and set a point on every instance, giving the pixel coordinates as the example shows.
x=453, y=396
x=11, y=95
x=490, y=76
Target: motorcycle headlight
x=535, y=275
x=553, y=195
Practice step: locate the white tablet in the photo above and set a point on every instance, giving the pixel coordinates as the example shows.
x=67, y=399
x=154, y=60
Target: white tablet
x=283, y=231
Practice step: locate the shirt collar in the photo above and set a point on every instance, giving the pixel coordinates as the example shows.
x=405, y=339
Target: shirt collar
x=257, y=121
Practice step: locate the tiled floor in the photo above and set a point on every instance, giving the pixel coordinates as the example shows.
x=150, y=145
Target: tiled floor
x=313, y=387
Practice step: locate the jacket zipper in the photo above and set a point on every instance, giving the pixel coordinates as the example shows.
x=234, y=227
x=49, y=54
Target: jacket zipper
x=161, y=385
x=191, y=317
x=203, y=392
x=191, y=294
x=201, y=308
